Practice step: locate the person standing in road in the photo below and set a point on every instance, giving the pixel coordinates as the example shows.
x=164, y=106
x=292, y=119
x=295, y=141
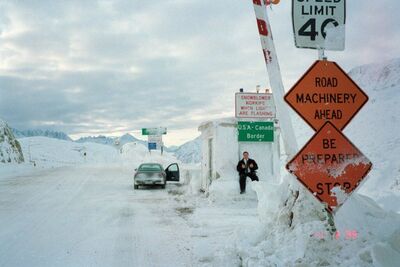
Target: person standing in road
x=247, y=168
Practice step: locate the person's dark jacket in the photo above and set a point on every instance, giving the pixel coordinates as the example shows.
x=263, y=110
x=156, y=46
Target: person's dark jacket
x=242, y=170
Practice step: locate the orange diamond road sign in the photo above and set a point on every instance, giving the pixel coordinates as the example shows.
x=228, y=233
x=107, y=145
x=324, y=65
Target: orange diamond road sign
x=330, y=166
x=326, y=93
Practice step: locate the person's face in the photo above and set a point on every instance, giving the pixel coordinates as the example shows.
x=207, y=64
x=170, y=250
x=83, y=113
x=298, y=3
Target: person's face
x=246, y=155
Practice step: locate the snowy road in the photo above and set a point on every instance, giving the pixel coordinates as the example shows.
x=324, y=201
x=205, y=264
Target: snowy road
x=89, y=216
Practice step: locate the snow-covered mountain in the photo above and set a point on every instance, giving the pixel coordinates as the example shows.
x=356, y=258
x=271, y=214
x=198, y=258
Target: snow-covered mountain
x=108, y=140
x=47, y=152
x=378, y=77
x=128, y=138
x=10, y=149
x=376, y=128
x=171, y=149
x=189, y=152
x=111, y=140
x=39, y=132
x=50, y=152
x=100, y=139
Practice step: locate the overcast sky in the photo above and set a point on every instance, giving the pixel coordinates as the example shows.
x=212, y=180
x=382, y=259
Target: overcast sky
x=111, y=67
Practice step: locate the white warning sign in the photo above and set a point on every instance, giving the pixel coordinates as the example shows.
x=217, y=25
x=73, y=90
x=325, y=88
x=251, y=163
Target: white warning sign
x=319, y=24
x=254, y=105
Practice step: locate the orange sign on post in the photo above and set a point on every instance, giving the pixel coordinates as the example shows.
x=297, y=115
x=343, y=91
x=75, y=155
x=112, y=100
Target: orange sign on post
x=330, y=166
x=326, y=93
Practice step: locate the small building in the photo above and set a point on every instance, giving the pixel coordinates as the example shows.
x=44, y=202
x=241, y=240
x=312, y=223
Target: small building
x=221, y=151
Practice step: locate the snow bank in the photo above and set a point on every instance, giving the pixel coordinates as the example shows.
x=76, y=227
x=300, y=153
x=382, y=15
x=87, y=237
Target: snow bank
x=375, y=130
x=132, y=153
x=47, y=152
x=191, y=174
x=366, y=235
x=226, y=189
x=189, y=152
x=50, y=152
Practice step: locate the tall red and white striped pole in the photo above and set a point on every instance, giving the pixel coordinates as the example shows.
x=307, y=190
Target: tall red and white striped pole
x=274, y=74
x=275, y=77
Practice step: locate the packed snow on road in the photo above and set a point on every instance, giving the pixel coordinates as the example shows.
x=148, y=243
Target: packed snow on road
x=72, y=211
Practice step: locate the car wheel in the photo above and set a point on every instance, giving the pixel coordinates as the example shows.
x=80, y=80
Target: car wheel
x=136, y=186
x=163, y=186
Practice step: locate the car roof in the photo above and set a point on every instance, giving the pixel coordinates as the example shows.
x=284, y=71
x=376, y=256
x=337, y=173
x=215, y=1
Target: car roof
x=150, y=167
x=150, y=163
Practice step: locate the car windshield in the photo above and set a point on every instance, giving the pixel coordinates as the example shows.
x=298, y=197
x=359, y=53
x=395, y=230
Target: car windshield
x=150, y=167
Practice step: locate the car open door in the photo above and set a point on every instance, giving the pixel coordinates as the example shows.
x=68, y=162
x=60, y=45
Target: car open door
x=172, y=172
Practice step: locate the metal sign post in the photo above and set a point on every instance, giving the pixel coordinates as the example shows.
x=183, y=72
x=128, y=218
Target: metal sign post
x=274, y=74
x=154, y=138
x=329, y=165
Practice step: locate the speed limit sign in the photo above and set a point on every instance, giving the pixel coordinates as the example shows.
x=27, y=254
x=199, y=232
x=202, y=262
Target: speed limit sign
x=319, y=24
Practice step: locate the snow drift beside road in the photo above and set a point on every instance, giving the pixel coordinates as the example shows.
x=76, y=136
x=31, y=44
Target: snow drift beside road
x=189, y=152
x=133, y=154
x=375, y=130
x=50, y=152
x=47, y=152
x=366, y=235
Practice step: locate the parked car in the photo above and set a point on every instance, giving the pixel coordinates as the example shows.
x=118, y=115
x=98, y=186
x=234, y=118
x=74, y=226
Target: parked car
x=154, y=174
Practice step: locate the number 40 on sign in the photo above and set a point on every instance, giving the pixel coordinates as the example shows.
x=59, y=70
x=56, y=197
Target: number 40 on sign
x=319, y=24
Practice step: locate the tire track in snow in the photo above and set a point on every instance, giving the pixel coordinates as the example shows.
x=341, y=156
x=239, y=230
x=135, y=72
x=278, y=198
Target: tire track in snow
x=90, y=216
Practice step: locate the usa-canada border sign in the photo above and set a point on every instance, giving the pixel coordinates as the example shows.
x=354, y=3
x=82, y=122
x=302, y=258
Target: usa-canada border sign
x=257, y=131
x=330, y=166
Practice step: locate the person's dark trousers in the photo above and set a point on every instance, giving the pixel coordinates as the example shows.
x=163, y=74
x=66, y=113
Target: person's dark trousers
x=242, y=180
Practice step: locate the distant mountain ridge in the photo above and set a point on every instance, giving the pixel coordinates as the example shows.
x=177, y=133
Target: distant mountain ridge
x=189, y=152
x=108, y=140
x=39, y=132
x=100, y=139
